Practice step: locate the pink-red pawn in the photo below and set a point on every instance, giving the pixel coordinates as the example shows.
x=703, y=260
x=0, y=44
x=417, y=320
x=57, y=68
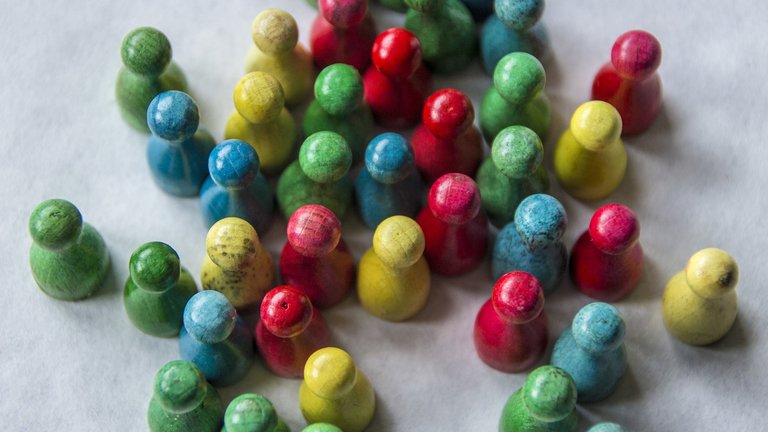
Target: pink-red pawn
x=455, y=226
x=343, y=32
x=607, y=260
x=315, y=259
x=630, y=82
x=289, y=331
x=511, y=327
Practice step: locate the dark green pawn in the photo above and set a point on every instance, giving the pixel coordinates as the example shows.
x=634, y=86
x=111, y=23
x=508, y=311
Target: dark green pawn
x=446, y=31
x=251, y=412
x=157, y=290
x=68, y=257
x=183, y=401
x=545, y=403
x=147, y=70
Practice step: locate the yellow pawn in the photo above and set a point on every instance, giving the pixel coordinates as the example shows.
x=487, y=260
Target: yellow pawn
x=261, y=120
x=590, y=159
x=699, y=304
x=236, y=265
x=393, y=276
x=335, y=391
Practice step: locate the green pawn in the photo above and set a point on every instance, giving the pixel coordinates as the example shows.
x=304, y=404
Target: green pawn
x=446, y=31
x=546, y=403
x=511, y=173
x=183, y=401
x=321, y=427
x=320, y=176
x=516, y=97
x=68, y=257
x=339, y=107
x=251, y=412
x=157, y=290
x=148, y=70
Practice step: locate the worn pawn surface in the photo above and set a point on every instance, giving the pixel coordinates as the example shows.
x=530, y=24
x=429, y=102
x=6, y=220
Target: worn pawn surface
x=606, y=427
x=514, y=27
x=545, y=403
x=446, y=31
x=343, y=32
x=251, y=412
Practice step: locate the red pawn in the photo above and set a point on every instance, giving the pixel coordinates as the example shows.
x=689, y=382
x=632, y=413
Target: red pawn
x=630, y=82
x=398, y=82
x=455, y=226
x=343, y=32
x=607, y=260
x=315, y=259
x=289, y=331
x=511, y=328
x=447, y=141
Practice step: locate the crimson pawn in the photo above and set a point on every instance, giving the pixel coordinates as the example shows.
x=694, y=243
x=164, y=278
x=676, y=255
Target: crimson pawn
x=343, y=32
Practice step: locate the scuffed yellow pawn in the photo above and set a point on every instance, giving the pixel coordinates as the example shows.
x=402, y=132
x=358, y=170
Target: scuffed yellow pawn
x=699, y=305
x=335, y=391
x=590, y=159
x=393, y=276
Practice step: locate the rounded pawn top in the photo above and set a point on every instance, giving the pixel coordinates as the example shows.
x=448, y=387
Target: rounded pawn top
x=231, y=242
x=146, y=51
x=454, y=198
x=519, y=77
x=596, y=125
x=517, y=152
x=712, y=272
x=321, y=427
x=518, y=297
x=448, y=113
x=389, y=158
x=339, y=89
x=286, y=311
x=636, y=55
x=519, y=15
x=425, y=6
x=209, y=317
x=330, y=372
x=343, y=13
x=259, y=97
x=540, y=220
x=154, y=267
x=55, y=223
x=250, y=412
x=549, y=393
x=398, y=241
x=173, y=116
x=233, y=164
x=179, y=386
x=598, y=327
x=325, y=157
x=314, y=230
x=274, y=31
x=396, y=53
x=614, y=228
x=606, y=427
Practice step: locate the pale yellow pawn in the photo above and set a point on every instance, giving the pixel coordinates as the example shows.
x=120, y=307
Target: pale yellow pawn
x=261, y=120
x=277, y=52
x=393, y=276
x=335, y=391
x=590, y=159
x=699, y=305
x=236, y=265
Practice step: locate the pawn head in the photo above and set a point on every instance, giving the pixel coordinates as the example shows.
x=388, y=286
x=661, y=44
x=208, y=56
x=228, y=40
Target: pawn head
x=636, y=55
x=321, y=427
x=259, y=97
x=274, y=31
x=339, y=89
x=606, y=427
x=146, y=51
x=343, y=13
x=712, y=273
x=425, y=6
x=209, y=317
x=154, y=267
x=549, y=393
x=325, y=157
x=250, y=412
x=55, y=223
x=330, y=373
x=596, y=125
x=231, y=242
x=447, y=113
x=233, y=164
x=517, y=152
x=398, y=241
x=540, y=220
x=286, y=311
x=173, y=116
x=519, y=15
x=454, y=198
x=614, y=228
x=518, y=297
x=389, y=158
x=179, y=386
x=519, y=77
x=396, y=53
x=598, y=327
x=314, y=230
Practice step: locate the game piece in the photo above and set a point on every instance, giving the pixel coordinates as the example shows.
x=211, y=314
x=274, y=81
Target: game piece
x=321, y=427
x=629, y=81
x=289, y=331
x=277, y=52
x=236, y=264
x=157, y=290
x=607, y=259
x=335, y=391
x=455, y=226
x=397, y=83
x=343, y=32
x=606, y=427
x=515, y=27
x=315, y=259
x=533, y=242
x=516, y=97
x=590, y=158
x=545, y=403
x=447, y=141
x=339, y=107
x=251, y=412
x=446, y=31
x=147, y=70
x=261, y=120
x=319, y=176
x=699, y=305
x=513, y=171
x=178, y=151
x=236, y=187
x=388, y=184
x=480, y=9
x=511, y=327
x=68, y=257
x=592, y=351
x=183, y=401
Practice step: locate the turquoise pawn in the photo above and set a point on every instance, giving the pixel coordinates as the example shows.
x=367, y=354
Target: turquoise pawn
x=68, y=257
x=515, y=27
x=592, y=351
x=157, y=290
x=251, y=412
x=545, y=403
x=606, y=427
x=446, y=31
x=321, y=427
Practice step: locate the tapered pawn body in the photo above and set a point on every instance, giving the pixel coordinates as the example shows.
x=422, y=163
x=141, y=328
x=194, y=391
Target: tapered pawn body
x=592, y=351
x=545, y=403
x=236, y=264
x=480, y=9
x=157, y=290
x=183, y=401
x=335, y=391
x=607, y=259
x=290, y=329
x=699, y=305
x=315, y=259
x=606, y=427
x=629, y=81
x=147, y=70
x=446, y=31
x=514, y=27
x=590, y=158
x=343, y=32
x=455, y=226
x=251, y=412
x=68, y=257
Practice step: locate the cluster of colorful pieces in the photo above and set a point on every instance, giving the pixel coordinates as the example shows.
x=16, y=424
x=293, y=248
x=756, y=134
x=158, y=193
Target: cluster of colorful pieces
x=384, y=79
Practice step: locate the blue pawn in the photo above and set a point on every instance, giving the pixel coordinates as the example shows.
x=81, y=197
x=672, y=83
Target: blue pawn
x=606, y=427
x=513, y=28
x=215, y=339
x=177, y=152
x=236, y=187
x=481, y=9
x=389, y=184
x=592, y=351
x=532, y=242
